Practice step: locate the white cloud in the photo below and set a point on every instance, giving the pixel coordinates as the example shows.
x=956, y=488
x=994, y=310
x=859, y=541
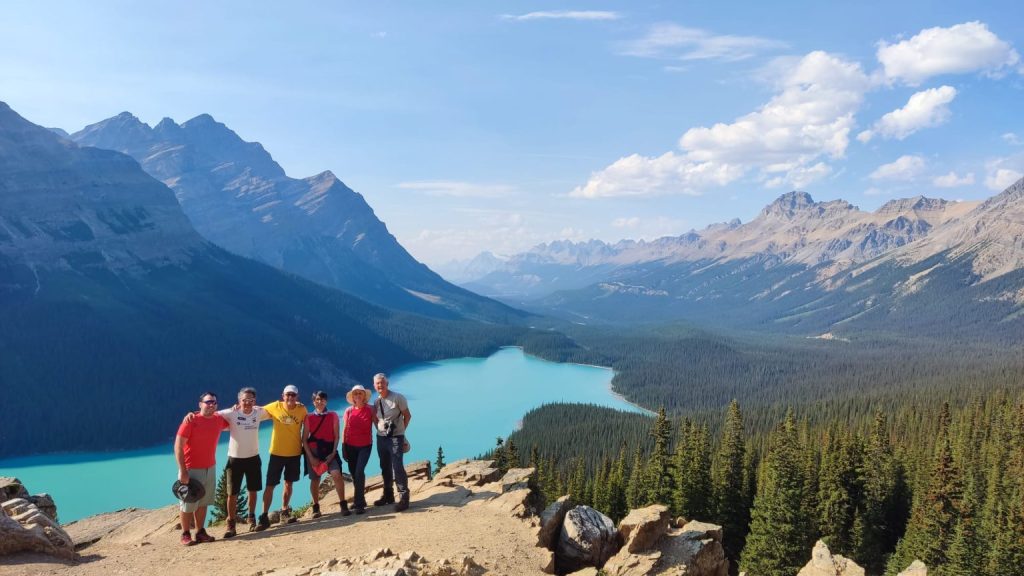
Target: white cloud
x=631, y=222
x=925, y=109
x=564, y=15
x=809, y=119
x=905, y=168
x=1000, y=179
x=458, y=189
x=1012, y=139
x=959, y=49
x=679, y=42
x=952, y=180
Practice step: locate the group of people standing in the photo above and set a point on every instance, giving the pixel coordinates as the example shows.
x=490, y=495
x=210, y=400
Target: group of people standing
x=298, y=434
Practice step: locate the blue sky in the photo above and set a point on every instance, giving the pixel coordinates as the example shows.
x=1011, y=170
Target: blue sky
x=498, y=125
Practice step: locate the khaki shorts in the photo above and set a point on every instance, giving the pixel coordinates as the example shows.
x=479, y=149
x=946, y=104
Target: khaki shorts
x=208, y=478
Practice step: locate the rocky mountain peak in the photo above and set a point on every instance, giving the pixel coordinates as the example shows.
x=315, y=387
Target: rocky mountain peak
x=915, y=204
x=787, y=205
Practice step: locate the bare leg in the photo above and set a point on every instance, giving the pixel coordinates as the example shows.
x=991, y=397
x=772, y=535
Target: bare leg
x=252, y=502
x=232, y=506
x=339, y=485
x=286, y=497
x=186, y=521
x=200, y=518
x=268, y=497
x=314, y=490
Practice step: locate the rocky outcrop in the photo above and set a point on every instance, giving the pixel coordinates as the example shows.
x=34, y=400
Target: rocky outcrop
x=470, y=472
x=11, y=488
x=24, y=528
x=551, y=520
x=916, y=568
x=824, y=563
x=588, y=538
x=641, y=529
x=653, y=547
x=384, y=562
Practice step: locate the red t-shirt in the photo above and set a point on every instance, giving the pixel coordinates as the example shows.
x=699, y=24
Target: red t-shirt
x=202, y=434
x=322, y=425
x=359, y=426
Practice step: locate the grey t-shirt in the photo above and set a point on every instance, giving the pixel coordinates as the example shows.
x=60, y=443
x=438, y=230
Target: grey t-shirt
x=391, y=408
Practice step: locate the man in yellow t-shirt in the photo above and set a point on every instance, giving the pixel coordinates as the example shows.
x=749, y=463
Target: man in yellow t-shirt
x=289, y=417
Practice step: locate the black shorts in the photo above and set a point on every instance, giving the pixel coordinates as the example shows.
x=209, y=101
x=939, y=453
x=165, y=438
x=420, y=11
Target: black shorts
x=244, y=468
x=287, y=464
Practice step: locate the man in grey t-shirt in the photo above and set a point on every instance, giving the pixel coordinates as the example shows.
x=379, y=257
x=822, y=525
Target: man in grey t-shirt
x=391, y=415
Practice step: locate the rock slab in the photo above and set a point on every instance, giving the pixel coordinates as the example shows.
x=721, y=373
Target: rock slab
x=824, y=563
x=916, y=568
x=24, y=528
x=588, y=538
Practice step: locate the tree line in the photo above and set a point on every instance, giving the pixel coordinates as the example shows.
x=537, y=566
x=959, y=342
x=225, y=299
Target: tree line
x=936, y=483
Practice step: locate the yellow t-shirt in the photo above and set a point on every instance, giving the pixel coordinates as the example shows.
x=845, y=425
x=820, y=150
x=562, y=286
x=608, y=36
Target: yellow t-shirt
x=286, y=440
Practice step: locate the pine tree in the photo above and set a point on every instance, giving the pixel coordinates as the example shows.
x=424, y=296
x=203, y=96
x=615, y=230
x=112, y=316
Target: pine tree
x=617, y=508
x=659, y=467
x=500, y=456
x=885, y=505
x=839, y=493
x=779, y=528
x=693, y=497
x=578, y=481
x=511, y=454
x=220, y=501
x=636, y=489
x=732, y=509
x=933, y=519
x=439, y=463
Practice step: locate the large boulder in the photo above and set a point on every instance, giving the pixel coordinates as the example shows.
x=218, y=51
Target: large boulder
x=23, y=527
x=551, y=520
x=642, y=528
x=469, y=472
x=694, y=550
x=11, y=488
x=916, y=568
x=588, y=538
x=823, y=563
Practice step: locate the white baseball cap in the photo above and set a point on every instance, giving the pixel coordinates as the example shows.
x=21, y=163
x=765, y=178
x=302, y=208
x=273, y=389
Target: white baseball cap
x=291, y=388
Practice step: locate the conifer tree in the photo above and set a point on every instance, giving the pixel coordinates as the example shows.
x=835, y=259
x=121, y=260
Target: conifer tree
x=693, y=496
x=577, y=481
x=839, y=493
x=220, y=500
x=778, y=543
x=511, y=454
x=500, y=456
x=728, y=482
x=439, y=463
x=636, y=489
x=885, y=505
x=617, y=508
x=933, y=519
x=659, y=467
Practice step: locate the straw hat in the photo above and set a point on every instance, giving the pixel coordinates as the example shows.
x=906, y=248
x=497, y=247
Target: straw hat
x=357, y=388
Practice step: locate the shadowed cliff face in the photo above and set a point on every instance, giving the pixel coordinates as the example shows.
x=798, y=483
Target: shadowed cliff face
x=238, y=197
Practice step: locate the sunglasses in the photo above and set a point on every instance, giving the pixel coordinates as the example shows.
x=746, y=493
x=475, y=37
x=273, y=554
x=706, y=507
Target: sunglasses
x=209, y=402
x=290, y=394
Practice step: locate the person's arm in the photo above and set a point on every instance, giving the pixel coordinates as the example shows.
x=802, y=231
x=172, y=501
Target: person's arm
x=179, y=455
x=337, y=437
x=407, y=416
x=305, y=434
x=188, y=418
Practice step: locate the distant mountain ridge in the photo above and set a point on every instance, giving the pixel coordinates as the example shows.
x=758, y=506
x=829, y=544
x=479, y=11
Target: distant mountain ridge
x=792, y=229
x=238, y=197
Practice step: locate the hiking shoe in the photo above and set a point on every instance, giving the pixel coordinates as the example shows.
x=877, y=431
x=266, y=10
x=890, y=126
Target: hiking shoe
x=344, y=509
x=316, y=510
x=203, y=538
x=383, y=500
x=230, y=532
x=402, y=505
x=359, y=510
x=186, y=539
x=287, y=517
x=252, y=523
x=263, y=524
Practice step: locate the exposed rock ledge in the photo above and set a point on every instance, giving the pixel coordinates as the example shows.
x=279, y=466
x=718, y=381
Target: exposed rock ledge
x=468, y=520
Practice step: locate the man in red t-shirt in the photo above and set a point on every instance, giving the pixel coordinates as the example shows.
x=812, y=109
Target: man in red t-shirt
x=195, y=449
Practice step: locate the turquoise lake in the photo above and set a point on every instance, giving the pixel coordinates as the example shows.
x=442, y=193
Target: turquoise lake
x=460, y=404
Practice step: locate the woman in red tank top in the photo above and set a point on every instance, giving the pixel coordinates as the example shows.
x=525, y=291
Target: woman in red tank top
x=357, y=442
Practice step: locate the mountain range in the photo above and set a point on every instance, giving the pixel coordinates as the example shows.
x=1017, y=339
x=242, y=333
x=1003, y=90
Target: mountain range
x=110, y=298
x=239, y=198
x=800, y=265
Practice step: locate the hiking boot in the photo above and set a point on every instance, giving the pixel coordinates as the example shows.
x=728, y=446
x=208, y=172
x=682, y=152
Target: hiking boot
x=402, y=505
x=287, y=517
x=384, y=500
x=316, y=510
x=344, y=509
x=263, y=524
x=359, y=510
x=230, y=532
x=203, y=538
x=186, y=539
x=252, y=523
